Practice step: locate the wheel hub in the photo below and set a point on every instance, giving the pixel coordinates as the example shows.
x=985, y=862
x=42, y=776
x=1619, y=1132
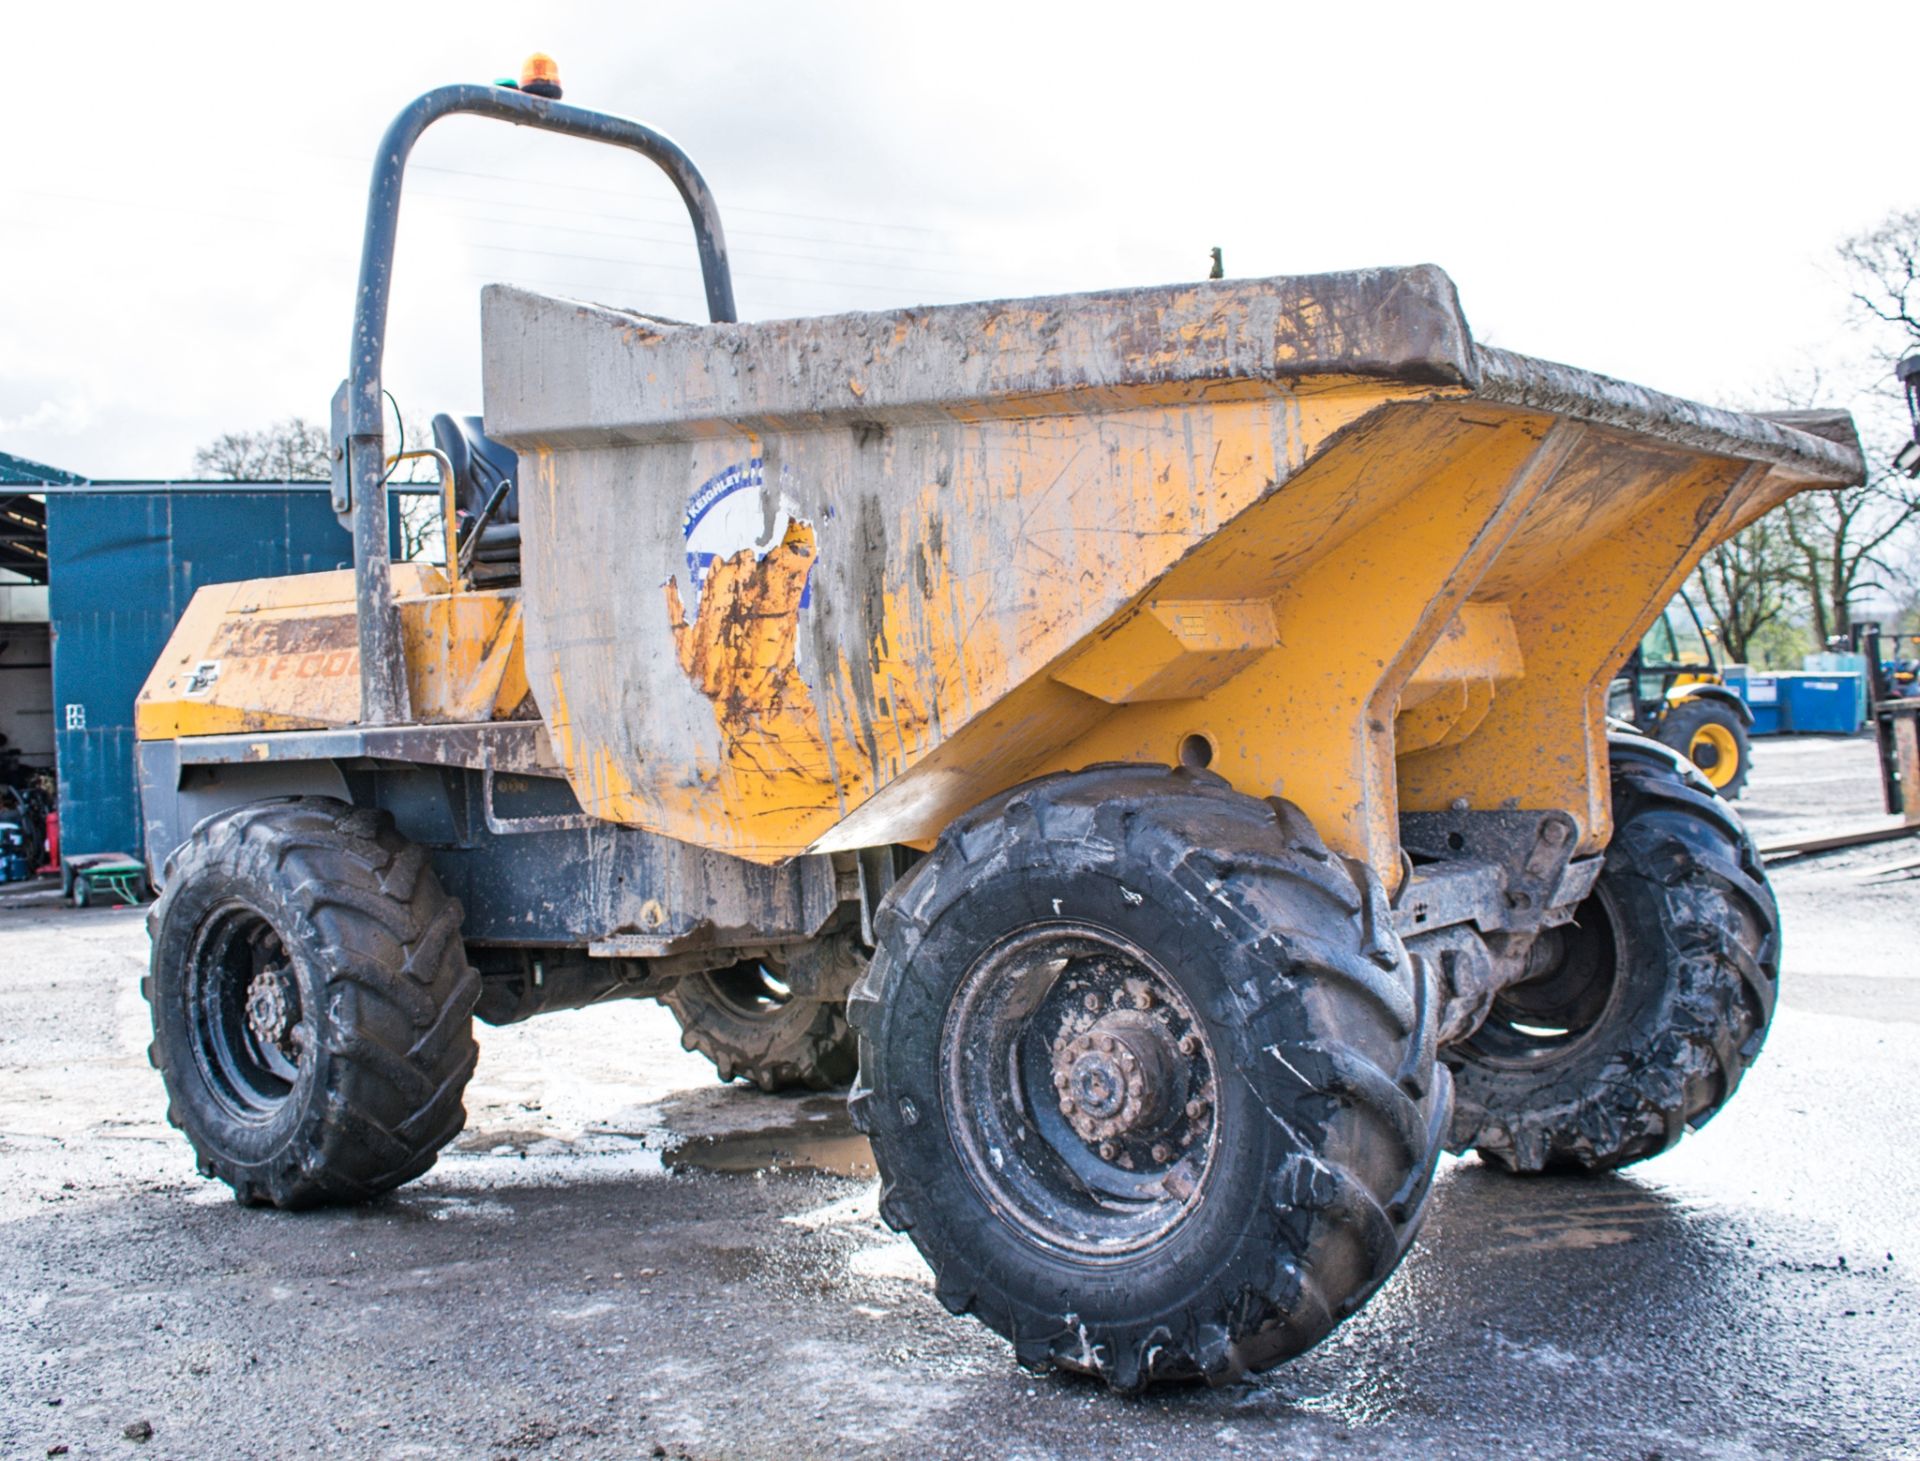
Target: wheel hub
x=1113, y=1078
x=1131, y=1076
x=270, y=1007
x=1084, y=1105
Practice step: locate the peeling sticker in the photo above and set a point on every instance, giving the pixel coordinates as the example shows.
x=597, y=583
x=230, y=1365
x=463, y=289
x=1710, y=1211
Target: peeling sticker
x=728, y=514
x=750, y=571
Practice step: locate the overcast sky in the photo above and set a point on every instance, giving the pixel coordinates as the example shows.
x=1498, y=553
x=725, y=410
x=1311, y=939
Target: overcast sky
x=1651, y=191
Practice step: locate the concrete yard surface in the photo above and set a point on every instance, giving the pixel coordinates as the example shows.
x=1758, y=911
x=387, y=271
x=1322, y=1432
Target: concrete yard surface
x=620, y=1257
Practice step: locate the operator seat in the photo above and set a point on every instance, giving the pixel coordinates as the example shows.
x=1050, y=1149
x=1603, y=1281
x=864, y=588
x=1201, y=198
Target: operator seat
x=480, y=465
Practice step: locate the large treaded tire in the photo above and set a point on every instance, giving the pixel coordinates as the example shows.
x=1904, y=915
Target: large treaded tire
x=1685, y=721
x=792, y=1044
x=1684, y=904
x=374, y=966
x=1331, y=1107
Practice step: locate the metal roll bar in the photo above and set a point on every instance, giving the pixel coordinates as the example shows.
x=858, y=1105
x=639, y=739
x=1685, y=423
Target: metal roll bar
x=358, y=450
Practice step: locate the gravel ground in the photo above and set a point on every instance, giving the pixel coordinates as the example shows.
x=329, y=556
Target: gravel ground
x=622, y=1258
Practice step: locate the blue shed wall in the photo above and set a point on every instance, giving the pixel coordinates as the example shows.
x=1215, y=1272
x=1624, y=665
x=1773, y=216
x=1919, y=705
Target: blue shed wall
x=122, y=566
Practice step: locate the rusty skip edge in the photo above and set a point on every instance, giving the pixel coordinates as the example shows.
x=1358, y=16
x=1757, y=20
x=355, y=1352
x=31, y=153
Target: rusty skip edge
x=629, y=378
x=1821, y=445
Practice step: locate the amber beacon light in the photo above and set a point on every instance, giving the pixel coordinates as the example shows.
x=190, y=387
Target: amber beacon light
x=540, y=76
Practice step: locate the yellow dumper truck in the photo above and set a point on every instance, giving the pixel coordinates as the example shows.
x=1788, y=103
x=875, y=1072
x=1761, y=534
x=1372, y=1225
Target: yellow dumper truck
x=1151, y=743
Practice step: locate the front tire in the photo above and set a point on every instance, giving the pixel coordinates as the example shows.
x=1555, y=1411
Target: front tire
x=1657, y=1003
x=1149, y=1077
x=312, y=1003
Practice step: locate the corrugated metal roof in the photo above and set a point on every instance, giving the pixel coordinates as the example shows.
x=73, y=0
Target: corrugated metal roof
x=23, y=469
x=23, y=521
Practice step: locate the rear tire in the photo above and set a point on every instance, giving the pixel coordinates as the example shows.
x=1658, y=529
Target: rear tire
x=1149, y=1077
x=1660, y=999
x=1708, y=733
x=312, y=1003
x=753, y=1026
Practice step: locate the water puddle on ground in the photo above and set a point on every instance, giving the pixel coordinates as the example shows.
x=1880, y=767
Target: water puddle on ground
x=821, y=1139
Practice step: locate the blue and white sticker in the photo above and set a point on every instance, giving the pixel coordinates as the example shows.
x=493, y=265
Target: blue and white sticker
x=725, y=514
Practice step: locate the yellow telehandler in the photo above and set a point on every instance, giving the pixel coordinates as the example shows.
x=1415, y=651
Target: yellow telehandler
x=1162, y=732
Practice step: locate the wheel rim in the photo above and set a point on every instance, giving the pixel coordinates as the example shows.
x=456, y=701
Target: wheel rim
x=1574, y=983
x=751, y=989
x=1080, y=1091
x=249, y=1033
x=1715, y=751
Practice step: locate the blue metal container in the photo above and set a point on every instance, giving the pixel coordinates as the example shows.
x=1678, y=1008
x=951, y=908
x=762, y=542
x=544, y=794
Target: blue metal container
x=1828, y=663
x=1822, y=704
x=1762, y=694
x=124, y=559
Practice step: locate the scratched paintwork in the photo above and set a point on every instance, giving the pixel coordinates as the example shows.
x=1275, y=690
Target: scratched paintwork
x=284, y=654
x=1306, y=526
x=1307, y=523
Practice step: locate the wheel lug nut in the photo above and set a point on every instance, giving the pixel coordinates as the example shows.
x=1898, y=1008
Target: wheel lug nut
x=1136, y=1087
x=1143, y=1000
x=1059, y=1080
x=1161, y=1151
x=1092, y=1001
x=1196, y=1108
x=1107, y=1151
x=1189, y=1044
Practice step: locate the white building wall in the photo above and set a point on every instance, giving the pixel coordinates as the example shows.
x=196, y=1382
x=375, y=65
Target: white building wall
x=22, y=603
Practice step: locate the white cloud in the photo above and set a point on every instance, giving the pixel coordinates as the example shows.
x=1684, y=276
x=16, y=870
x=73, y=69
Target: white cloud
x=1649, y=191
x=58, y=418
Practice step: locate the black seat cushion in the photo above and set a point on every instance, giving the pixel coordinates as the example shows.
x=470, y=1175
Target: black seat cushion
x=480, y=465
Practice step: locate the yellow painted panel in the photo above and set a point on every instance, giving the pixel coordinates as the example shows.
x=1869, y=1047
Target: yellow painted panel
x=1369, y=554
x=1589, y=569
x=979, y=556
x=284, y=654
x=1171, y=649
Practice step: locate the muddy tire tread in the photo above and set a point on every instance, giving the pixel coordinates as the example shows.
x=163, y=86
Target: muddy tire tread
x=1250, y=858
x=1721, y=943
x=383, y=942
x=806, y=1045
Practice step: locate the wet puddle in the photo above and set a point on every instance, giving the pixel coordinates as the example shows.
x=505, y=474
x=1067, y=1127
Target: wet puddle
x=822, y=1140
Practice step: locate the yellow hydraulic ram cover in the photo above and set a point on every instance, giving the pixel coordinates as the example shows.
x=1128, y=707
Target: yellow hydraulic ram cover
x=825, y=583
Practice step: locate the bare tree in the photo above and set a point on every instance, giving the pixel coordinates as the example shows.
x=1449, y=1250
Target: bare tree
x=1884, y=267
x=422, y=530
x=294, y=450
x=1746, y=584
x=1842, y=539
x=1850, y=540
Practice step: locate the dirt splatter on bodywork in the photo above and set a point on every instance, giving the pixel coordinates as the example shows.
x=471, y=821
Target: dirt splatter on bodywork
x=740, y=646
x=1235, y=519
